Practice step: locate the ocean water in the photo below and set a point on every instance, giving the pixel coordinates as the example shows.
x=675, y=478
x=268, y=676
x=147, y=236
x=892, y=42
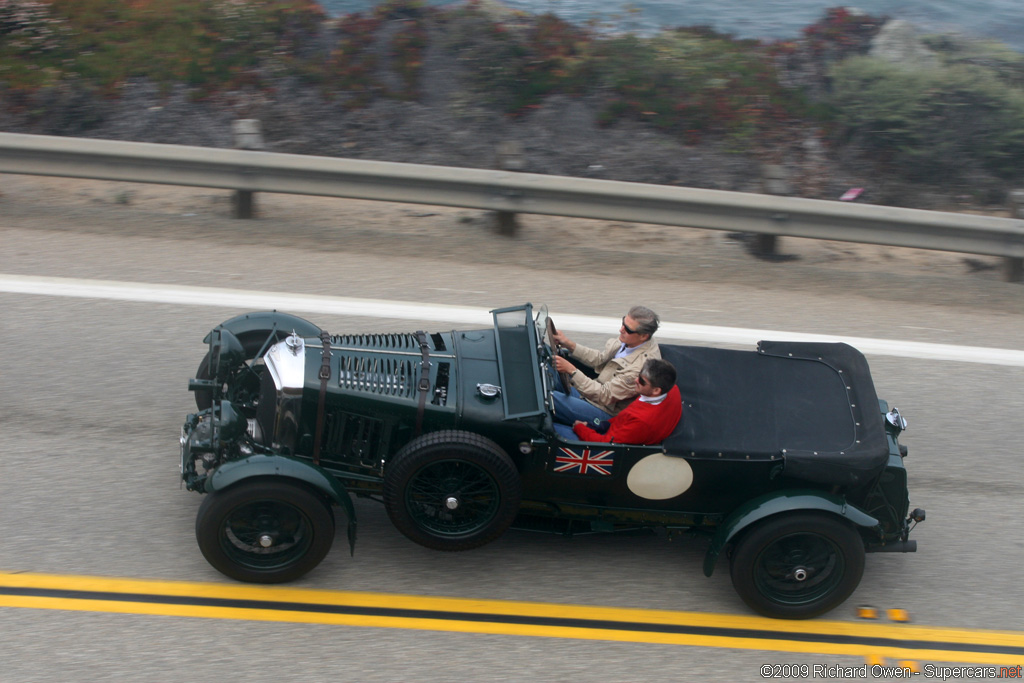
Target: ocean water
x=768, y=19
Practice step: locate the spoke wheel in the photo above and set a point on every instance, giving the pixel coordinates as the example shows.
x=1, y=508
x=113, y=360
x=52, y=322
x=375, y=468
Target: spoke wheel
x=797, y=566
x=451, y=490
x=264, y=531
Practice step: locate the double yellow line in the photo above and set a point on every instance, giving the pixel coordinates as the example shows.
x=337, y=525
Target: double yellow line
x=383, y=610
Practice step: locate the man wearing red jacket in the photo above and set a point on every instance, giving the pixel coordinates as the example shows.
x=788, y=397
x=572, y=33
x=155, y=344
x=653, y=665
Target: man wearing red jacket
x=647, y=420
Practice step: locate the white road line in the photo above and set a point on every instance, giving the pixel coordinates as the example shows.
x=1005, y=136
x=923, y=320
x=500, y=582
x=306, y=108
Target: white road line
x=247, y=300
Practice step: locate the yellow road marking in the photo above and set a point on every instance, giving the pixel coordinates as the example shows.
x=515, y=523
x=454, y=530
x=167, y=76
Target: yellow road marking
x=384, y=610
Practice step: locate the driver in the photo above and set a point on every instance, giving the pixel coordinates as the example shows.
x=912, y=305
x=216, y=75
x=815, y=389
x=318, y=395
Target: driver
x=617, y=367
x=647, y=420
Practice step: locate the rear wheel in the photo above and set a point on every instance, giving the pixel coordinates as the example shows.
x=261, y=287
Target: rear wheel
x=797, y=566
x=264, y=531
x=452, y=490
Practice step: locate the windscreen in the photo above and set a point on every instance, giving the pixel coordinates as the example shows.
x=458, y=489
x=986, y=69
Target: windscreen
x=517, y=361
x=541, y=325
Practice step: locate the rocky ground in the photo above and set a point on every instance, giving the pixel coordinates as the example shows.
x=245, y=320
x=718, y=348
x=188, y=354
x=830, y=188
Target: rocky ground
x=446, y=127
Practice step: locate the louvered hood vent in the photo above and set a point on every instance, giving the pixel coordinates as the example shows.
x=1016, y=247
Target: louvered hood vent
x=387, y=342
x=389, y=365
x=384, y=375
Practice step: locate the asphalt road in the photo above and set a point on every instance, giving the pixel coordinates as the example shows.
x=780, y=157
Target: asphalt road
x=93, y=395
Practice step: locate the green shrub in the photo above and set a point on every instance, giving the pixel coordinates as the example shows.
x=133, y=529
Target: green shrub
x=352, y=63
x=209, y=44
x=689, y=82
x=408, y=43
x=692, y=82
x=841, y=33
x=514, y=65
x=932, y=122
x=998, y=58
x=33, y=43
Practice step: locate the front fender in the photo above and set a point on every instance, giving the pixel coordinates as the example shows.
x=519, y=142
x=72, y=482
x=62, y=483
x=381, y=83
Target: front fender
x=776, y=503
x=281, y=466
x=264, y=321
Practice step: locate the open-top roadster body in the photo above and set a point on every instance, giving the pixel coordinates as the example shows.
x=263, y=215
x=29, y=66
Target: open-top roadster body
x=785, y=458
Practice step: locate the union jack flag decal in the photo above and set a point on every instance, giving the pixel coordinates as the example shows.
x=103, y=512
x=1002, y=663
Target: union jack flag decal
x=584, y=463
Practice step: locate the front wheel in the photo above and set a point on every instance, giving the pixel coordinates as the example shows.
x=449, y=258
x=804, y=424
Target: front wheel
x=264, y=531
x=452, y=490
x=797, y=566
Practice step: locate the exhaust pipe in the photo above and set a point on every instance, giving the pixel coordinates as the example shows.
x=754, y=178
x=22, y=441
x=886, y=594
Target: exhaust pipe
x=897, y=547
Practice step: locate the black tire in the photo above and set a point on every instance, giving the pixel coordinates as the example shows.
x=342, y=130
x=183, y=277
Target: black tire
x=296, y=522
x=798, y=565
x=251, y=342
x=204, y=397
x=452, y=490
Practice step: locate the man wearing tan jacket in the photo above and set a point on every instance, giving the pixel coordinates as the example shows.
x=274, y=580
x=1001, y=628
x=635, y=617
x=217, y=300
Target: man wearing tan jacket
x=617, y=366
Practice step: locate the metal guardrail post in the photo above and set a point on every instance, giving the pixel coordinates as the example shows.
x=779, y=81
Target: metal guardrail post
x=248, y=135
x=509, y=158
x=774, y=180
x=1013, y=266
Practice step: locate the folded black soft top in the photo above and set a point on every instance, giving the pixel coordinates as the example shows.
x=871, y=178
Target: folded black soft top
x=811, y=405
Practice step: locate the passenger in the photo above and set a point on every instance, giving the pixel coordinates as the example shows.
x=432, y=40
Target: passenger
x=649, y=419
x=617, y=367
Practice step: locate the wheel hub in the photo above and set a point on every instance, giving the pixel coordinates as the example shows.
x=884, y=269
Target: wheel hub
x=266, y=540
x=451, y=502
x=796, y=560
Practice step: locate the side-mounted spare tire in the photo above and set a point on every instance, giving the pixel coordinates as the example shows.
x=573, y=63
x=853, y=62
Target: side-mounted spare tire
x=452, y=490
x=797, y=565
x=245, y=387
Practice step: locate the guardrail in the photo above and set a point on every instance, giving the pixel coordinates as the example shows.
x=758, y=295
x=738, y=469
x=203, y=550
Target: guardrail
x=513, y=192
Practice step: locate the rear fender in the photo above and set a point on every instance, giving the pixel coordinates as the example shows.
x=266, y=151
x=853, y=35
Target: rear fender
x=280, y=466
x=776, y=503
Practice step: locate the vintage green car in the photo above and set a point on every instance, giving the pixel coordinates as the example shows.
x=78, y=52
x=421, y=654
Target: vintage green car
x=785, y=458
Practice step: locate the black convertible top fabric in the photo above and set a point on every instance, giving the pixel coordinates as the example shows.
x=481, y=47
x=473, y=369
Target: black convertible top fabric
x=811, y=404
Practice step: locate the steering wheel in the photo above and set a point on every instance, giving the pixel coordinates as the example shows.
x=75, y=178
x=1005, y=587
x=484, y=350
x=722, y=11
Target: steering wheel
x=562, y=376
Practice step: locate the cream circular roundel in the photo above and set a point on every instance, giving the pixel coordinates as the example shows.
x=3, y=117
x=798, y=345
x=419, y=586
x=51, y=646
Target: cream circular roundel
x=659, y=477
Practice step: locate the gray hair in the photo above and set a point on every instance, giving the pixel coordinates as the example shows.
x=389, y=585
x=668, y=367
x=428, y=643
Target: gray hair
x=646, y=320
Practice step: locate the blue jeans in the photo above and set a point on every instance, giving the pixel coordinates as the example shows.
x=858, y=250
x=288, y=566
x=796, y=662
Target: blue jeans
x=565, y=432
x=571, y=407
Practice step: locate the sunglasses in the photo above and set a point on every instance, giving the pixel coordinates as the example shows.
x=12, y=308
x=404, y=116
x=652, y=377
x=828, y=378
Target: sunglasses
x=641, y=381
x=626, y=327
